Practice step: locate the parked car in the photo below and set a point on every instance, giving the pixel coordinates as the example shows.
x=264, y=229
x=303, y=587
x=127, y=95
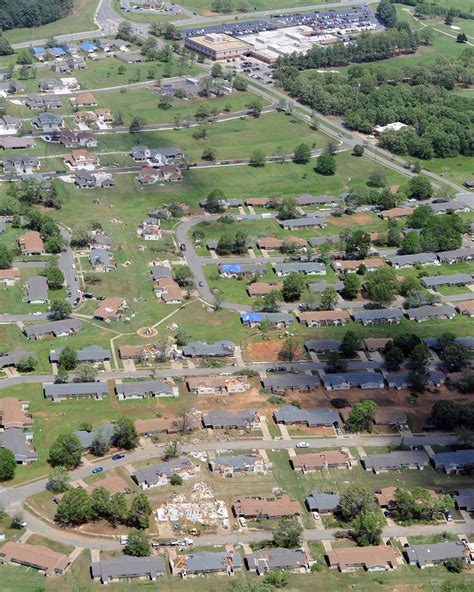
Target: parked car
x=302, y=445
x=96, y=470
x=315, y=515
x=123, y=539
x=118, y=456
x=448, y=516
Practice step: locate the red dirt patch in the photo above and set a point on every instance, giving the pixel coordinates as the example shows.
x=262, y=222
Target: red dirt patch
x=353, y=219
x=268, y=351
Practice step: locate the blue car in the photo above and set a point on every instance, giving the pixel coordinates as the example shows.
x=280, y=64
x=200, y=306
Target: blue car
x=97, y=470
x=118, y=456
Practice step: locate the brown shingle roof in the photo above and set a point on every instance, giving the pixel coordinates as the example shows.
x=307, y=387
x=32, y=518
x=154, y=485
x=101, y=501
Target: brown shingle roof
x=466, y=307
x=356, y=263
x=31, y=242
x=320, y=459
x=109, y=308
x=396, y=213
x=324, y=315
x=39, y=556
x=12, y=414
x=362, y=556
x=262, y=288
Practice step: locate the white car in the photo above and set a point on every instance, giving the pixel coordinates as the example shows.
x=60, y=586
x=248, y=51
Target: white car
x=124, y=539
x=315, y=515
x=302, y=445
x=37, y=313
x=243, y=522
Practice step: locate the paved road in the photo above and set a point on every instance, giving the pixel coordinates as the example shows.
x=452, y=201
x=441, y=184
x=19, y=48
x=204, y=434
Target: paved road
x=67, y=266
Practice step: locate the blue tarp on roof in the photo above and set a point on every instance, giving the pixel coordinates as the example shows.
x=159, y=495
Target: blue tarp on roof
x=37, y=50
x=58, y=50
x=231, y=268
x=88, y=46
x=251, y=317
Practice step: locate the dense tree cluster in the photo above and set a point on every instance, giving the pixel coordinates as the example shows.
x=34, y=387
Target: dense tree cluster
x=439, y=232
x=32, y=13
x=421, y=504
x=447, y=415
x=232, y=245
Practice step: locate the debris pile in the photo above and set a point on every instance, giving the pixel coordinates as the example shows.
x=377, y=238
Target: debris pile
x=200, y=506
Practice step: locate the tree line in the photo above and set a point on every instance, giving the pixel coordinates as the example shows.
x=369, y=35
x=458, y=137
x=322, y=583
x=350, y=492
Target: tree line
x=32, y=13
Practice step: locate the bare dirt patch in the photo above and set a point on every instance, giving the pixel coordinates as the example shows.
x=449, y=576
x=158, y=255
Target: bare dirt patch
x=362, y=219
x=268, y=351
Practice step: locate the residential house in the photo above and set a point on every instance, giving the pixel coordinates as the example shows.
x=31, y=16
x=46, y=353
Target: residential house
x=17, y=143
x=85, y=99
x=399, y=459
x=351, y=266
x=157, y=156
x=104, y=115
x=315, y=200
x=258, y=202
x=31, y=243
x=130, y=57
x=243, y=270
x=21, y=165
x=275, y=319
x=81, y=159
x=168, y=290
x=149, y=229
x=86, y=179
x=347, y=380
x=275, y=558
x=213, y=245
x=11, y=358
x=464, y=499
x=101, y=260
x=439, y=281
x=323, y=502
x=87, y=438
x=228, y=466
x=139, y=389
x=18, y=442
x=456, y=256
x=52, y=85
x=173, y=425
x=373, y=344
x=85, y=117
x=386, y=498
x=10, y=125
x=149, y=176
x=323, y=318
x=281, y=383
x=425, y=313
x=160, y=474
x=453, y=462
x=9, y=277
x=52, y=329
x=72, y=139
x=449, y=206
x=466, y=307
x=5, y=73
x=160, y=271
x=110, y=309
x=396, y=213
x=59, y=391
x=48, y=122
x=318, y=461
x=38, y=557
x=431, y=554
x=306, y=222
x=37, y=290
x=404, y=261
x=401, y=380
x=269, y=508
x=317, y=241
x=46, y=103
x=306, y=268
x=199, y=349
x=128, y=567
x=98, y=238
x=377, y=316
x=379, y=558
x=263, y=288
x=324, y=346
x=216, y=385
x=205, y=562
x=246, y=419
x=90, y=353
x=146, y=352
x=316, y=416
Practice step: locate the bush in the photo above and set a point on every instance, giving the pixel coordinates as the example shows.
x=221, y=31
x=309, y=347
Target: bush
x=340, y=403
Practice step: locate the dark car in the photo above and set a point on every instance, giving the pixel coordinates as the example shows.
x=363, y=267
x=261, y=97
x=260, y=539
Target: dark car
x=118, y=456
x=100, y=297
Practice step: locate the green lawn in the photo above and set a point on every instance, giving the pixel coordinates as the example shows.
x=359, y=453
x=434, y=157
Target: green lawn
x=81, y=19
x=144, y=17
x=456, y=169
x=204, y=6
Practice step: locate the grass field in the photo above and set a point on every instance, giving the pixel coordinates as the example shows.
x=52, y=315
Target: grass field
x=204, y=6
x=456, y=169
x=81, y=19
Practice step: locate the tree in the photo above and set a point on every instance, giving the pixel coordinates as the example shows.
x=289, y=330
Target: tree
x=53, y=244
x=176, y=480
x=217, y=71
x=406, y=342
x=139, y=513
x=326, y=165
x=329, y=298
x=419, y=374
x=302, y=154
x=26, y=364
x=351, y=286
x=66, y=451
x=17, y=520
x=419, y=188
x=257, y=158
x=74, y=507
x=288, y=533
x=59, y=310
x=183, y=275
x=411, y=243
x=378, y=178
x=367, y=528
x=382, y=286
x=255, y=106
x=86, y=372
x=125, y=435
x=350, y=344
x=394, y=235
x=393, y=357
x=465, y=437
x=5, y=47
x=68, y=358
x=7, y=464
x=125, y=31
x=290, y=348
x=335, y=363
x=387, y=13
x=101, y=442
x=138, y=544
x=455, y=356
x=461, y=38
x=6, y=257
x=117, y=509
x=136, y=125
x=356, y=499
x=293, y=286
x=100, y=503
x=58, y=480
x=356, y=243
x=287, y=209
x=454, y=564
x=270, y=302
x=358, y=150
x=55, y=278
x=362, y=416
x=215, y=202
x=171, y=451
x=209, y=154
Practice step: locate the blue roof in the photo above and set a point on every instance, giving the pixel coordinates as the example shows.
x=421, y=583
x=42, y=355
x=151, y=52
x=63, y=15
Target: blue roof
x=58, y=50
x=87, y=45
x=37, y=50
x=231, y=268
x=251, y=317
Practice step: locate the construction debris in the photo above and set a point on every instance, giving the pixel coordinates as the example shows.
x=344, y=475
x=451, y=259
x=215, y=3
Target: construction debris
x=201, y=506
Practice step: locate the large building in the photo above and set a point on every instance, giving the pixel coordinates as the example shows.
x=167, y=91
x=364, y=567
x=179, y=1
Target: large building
x=218, y=46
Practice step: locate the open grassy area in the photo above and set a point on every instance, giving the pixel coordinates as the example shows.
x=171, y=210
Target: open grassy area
x=81, y=19
x=204, y=6
x=456, y=169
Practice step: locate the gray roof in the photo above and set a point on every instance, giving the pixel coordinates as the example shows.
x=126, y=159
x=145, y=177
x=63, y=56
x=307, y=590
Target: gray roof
x=239, y=462
x=430, y=312
x=353, y=379
x=75, y=389
x=210, y=561
x=313, y=417
x=435, y=552
x=54, y=327
x=276, y=558
x=144, y=387
x=14, y=439
x=316, y=241
x=457, y=279
x=402, y=260
x=225, y=419
x=402, y=379
x=309, y=221
x=323, y=502
x=465, y=499
x=168, y=468
x=12, y=357
x=319, y=287
x=453, y=460
x=448, y=205
x=91, y=353
x=160, y=271
x=100, y=256
x=464, y=253
x=291, y=381
x=322, y=345
x=87, y=438
x=219, y=348
x=37, y=288
x=396, y=460
x=308, y=268
x=309, y=200
x=381, y=314
x=48, y=118
x=128, y=567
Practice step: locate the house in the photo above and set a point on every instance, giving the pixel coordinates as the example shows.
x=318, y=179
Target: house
x=376, y=316
x=37, y=290
x=316, y=416
x=351, y=266
x=228, y=466
x=130, y=57
x=432, y=554
x=55, y=52
x=139, y=389
x=213, y=245
x=276, y=319
x=205, y=562
x=439, y=281
x=59, y=391
x=456, y=256
x=246, y=419
x=317, y=461
x=271, y=243
x=270, y=508
x=306, y=222
x=9, y=277
x=17, y=143
x=315, y=200
x=85, y=179
x=101, y=260
x=90, y=353
x=157, y=156
x=148, y=175
x=306, y=268
x=243, y=270
x=31, y=243
x=160, y=474
x=127, y=567
x=85, y=99
x=104, y=115
x=110, y=309
x=38, y=557
x=168, y=290
x=425, y=313
x=393, y=461
x=20, y=165
x=219, y=349
x=379, y=558
x=386, y=498
x=52, y=329
x=258, y=202
x=449, y=206
x=263, y=288
x=5, y=74
x=319, y=287
x=146, y=352
x=347, y=380
x=98, y=238
x=396, y=213
x=275, y=558
x=9, y=125
x=453, y=462
x=158, y=425
x=34, y=102
x=72, y=139
x=160, y=271
x=48, y=122
x=13, y=414
x=464, y=499
x=17, y=441
x=373, y=344
x=323, y=345
x=149, y=229
x=210, y=385
x=280, y=383
x=86, y=438
x=401, y=380
x=323, y=318
x=51, y=85
x=81, y=159
x=85, y=117
x=323, y=502
x=404, y=261
x=466, y=307
x=11, y=358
